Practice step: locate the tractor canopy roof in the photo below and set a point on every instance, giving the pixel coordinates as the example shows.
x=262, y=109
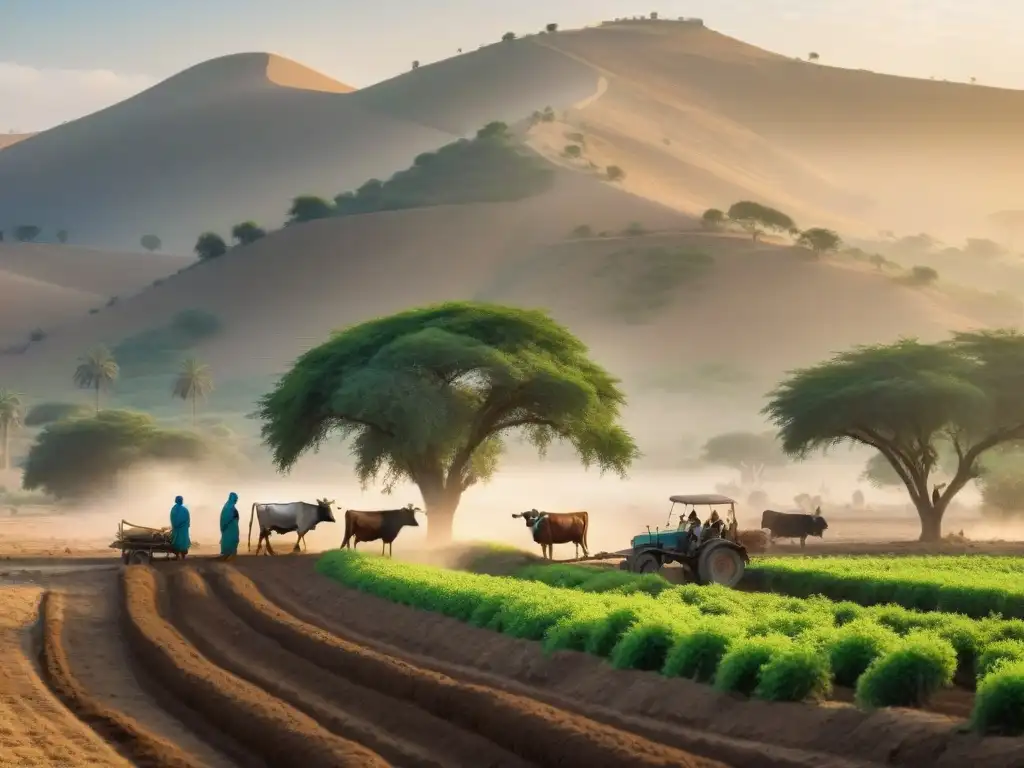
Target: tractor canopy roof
x=701, y=499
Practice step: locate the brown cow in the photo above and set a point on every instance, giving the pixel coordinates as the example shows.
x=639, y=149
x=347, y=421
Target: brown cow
x=384, y=524
x=550, y=528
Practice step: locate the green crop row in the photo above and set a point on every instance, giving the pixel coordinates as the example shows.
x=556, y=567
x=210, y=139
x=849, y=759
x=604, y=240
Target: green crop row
x=787, y=650
x=974, y=585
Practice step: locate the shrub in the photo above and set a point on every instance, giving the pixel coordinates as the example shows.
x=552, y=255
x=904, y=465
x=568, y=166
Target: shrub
x=615, y=173
x=151, y=243
x=210, y=245
x=999, y=701
x=697, y=654
x=247, y=232
x=795, y=674
x=38, y=334
x=910, y=674
x=573, y=151
x=713, y=218
x=583, y=230
x=309, y=208
x=62, y=236
x=508, y=37
x=920, y=275
x=996, y=654
x=646, y=644
x=740, y=668
x=48, y=413
x=855, y=647
x=26, y=233
x=552, y=27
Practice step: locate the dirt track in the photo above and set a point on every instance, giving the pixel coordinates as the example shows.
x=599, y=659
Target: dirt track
x=268, y=663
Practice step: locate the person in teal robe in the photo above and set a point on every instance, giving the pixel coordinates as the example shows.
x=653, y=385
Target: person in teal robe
x=229, y=528
x=180, y=523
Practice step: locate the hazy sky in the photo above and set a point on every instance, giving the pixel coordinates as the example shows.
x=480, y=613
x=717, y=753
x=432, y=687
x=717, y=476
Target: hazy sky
x=60, y=59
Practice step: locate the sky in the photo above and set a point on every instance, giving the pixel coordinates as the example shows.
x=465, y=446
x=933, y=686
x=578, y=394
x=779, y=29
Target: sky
x=61, y=59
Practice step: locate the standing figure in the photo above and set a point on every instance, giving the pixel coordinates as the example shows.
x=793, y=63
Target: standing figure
x=180, y=523
x=229, y=534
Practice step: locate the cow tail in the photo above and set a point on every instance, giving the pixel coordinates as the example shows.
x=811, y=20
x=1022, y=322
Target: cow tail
x=586, y=525
x=252, y=514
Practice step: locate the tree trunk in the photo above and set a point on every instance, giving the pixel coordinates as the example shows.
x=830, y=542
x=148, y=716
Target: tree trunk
x=440, y=521
x=7, y=447
x=193, y=411
x=97, y=399
x=931, y=522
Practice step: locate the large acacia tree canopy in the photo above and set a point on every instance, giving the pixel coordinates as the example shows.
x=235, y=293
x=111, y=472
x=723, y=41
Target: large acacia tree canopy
x=908, y=398
x=435, y=389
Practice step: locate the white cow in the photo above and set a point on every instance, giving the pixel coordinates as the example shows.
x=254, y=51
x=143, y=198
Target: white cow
x=284, y=518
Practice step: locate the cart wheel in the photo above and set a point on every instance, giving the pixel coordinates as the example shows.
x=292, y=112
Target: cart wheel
x=140, y=558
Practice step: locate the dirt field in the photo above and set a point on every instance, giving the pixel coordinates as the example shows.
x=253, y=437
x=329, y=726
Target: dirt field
x=267, y=663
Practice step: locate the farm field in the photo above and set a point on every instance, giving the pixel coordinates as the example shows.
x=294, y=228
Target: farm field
x=974, y=585
x=767, y=646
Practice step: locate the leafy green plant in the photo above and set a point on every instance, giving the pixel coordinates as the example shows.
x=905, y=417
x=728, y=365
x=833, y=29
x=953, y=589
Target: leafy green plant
x=999, y=701
x=910, y=674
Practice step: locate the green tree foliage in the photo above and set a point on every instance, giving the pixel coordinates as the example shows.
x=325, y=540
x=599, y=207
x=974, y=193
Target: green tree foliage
x=192, y=383
x=552, y=27
x=27, y=233
x=247, y=232
x=47, y=413
x=97, y=370
x=1002, y=484
x=508, y=37
x=748, y=452
x=920, y=275
x=155, y=350
x=430, y=394
x=820, y=240
x=614, y=173
x=151, y=243
x=416, y=64
x=813, y=56
x=76, y=458
x=486, y=169
x=713, y=219
x=10, y=420
x=757, y=218
x=309, y=208
x=573, y=151
x=210, y=245
x=905, y=400
x=62, y=236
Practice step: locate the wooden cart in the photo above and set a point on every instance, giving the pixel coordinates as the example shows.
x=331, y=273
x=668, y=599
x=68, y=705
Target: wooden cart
x=138, y=544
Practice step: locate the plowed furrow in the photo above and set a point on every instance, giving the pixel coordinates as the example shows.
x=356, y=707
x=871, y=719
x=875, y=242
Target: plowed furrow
x=396, y=730
x=136, y=743
x=540, y=733
x=278, y=733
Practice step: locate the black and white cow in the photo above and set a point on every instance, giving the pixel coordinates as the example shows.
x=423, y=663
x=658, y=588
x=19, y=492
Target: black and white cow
x=295, y=516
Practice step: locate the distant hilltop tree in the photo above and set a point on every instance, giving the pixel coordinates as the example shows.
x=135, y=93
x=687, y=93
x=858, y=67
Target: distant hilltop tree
x=416, y=64
x=210, y=245
x=812, y=56
x=757, y=218
x=615, y=173
x=26, y=233
x=654, y=15
x=247, y=232
x=713, y=219
x=552, y=27
x=508, y=36
x=819, y=240
x=62, y=236
x=151, y=243
x=309, y=208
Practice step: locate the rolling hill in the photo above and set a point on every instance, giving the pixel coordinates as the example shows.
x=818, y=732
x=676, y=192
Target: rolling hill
x=695, y=118
x=10, y=139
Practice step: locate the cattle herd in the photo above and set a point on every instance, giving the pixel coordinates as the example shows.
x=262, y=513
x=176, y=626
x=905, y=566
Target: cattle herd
x=547, y=528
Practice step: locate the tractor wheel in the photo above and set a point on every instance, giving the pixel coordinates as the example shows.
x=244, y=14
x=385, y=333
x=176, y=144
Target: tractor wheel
x=645, y=563
x=720, y=565
x=626, y=564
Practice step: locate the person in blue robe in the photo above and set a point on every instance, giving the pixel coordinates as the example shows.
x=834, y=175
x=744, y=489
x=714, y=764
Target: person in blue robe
x=229, y=528
x=180, y=523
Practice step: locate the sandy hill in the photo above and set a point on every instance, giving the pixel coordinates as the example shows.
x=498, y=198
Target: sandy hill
x=634, y=299
x=236, y=138
x=700, y=118
x=44, y=286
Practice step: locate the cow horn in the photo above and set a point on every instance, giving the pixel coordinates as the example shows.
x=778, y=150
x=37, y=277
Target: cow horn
x=517, y=514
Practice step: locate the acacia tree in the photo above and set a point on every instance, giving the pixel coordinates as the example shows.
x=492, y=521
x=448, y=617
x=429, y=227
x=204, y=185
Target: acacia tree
x=819, y=240
x=430, y=394
x=10, y=420
x=96, y=370
x=712, y=218
x=906, y=400
x=748, y=452
x=192, y=383
x=757, y=218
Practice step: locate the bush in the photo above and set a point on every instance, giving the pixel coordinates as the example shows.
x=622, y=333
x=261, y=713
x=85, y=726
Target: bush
x=48, y=413
x=919, y=275
x=615, y=173
x=713, y=219
x=855, y=647
x=999, y=701
x=646, y=644
x=81, y=457
x=797, y=674
x=309, y=208
x=508, y=37
x=573, y=151
x=27, y=233
x=210, y=245
x=996, y=654
x=583, y=230
x=151, y=243
x=740, y=669
x=910, y=674
x=697, y=654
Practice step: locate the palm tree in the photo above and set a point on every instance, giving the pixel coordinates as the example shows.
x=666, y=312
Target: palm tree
x=10, y=419
x=192, y=383
x=97, y=370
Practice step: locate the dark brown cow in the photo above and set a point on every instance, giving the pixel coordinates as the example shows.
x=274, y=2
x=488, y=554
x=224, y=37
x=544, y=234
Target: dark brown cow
x=550, y=528
x=384, y=524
